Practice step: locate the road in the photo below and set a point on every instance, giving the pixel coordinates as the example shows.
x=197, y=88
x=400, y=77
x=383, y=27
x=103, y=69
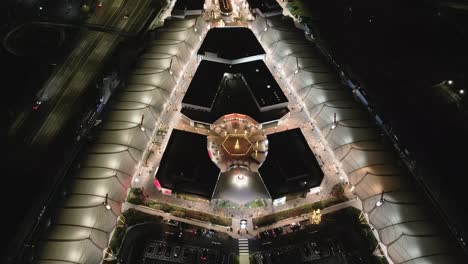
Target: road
x=67, y=84
x=33, y=152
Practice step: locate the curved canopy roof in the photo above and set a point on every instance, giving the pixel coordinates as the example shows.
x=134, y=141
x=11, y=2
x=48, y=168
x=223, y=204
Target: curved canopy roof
x=405, y=222
x=81, y=226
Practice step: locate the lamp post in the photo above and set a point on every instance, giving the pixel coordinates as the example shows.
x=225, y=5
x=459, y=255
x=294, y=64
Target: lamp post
x=334, y=124
x=170, y=67
x=297, y=66
x=106, y=204
x=381, y=201
x=142, y=128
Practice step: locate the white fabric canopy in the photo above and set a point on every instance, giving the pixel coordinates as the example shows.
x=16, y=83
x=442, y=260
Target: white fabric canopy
x=405, y=222
x=81, y=226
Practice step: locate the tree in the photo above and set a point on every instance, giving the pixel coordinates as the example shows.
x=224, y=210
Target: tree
x=315, y=217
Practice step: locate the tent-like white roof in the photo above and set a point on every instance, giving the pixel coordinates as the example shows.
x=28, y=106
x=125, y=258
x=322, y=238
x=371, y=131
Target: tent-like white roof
x=405, y=222
x=80, y=229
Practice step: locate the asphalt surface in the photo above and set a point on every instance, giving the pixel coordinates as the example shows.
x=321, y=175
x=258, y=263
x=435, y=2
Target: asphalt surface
x=139, y=237
x=61, y=93
x=336, y=240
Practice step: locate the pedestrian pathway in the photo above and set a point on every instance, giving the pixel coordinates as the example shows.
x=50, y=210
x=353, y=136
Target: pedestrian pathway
x=352, y=203
x=168, y=216
x=249, y=231
x=243, y=251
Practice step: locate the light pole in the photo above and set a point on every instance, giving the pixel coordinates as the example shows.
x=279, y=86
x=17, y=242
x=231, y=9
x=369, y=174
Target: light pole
x=297, y=66
x=334, y=124
x=381, y=201
x=106, y=204
x=142, y=128
x=170, y=67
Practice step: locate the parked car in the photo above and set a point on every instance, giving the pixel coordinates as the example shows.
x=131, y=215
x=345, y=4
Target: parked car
x=278, y=230
x=173, y=223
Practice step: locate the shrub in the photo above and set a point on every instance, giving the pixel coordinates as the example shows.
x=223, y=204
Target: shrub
x=304, y=209
x=255, y=204
x=178, y=213
x=135, y=196
x=166, y=208
x=189, y=197
x=187, y=213
x=133, y=217
x=117, y=237
x=338, y=191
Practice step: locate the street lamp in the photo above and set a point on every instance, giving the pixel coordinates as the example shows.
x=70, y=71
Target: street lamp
x=381, y=201
x=461, y=91
x=297, y=66
x=170, y=67
x=449, y=82
x=106, y=204
x=142, y=128
x=334, y=124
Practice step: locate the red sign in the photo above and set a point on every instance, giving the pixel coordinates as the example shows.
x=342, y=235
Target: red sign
x=157, y=184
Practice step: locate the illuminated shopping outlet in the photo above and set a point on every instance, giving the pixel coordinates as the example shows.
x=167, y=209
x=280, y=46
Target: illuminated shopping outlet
x=239, y=110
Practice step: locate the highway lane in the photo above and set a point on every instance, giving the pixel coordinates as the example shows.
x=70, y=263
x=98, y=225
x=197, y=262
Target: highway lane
x=57, y=81
x=69, y=81
x=88, y=70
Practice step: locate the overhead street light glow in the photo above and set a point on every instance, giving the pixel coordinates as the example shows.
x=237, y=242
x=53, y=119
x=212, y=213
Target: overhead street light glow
x=106, y=204
x=381, y=201
x=334, y=124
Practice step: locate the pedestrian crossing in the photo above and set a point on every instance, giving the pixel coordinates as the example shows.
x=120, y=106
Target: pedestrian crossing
x=243, y=247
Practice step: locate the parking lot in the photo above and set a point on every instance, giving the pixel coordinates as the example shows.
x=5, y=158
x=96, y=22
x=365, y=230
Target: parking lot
x=176, y=242
x=305, y=252
x=164, y=252
x=335, y=241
